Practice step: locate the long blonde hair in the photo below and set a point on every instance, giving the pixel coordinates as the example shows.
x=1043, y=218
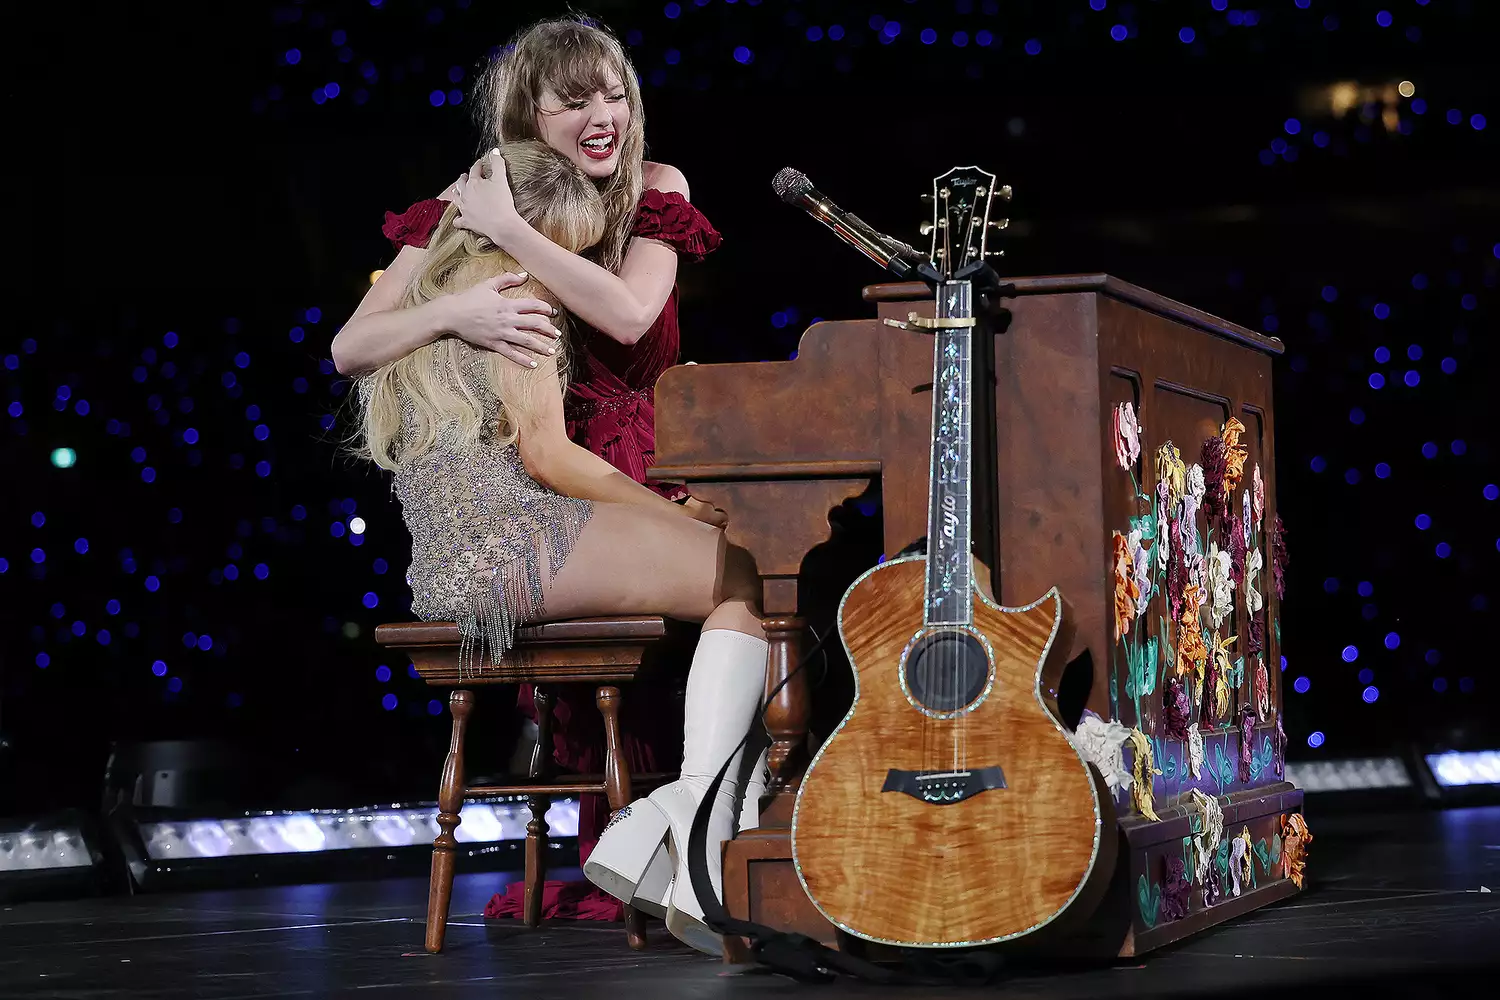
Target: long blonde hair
x=572, y=57
x=438, y=389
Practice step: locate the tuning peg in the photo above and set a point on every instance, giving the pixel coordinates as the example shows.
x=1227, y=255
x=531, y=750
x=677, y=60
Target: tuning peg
x=926, y=197
x=999, y=223
x=994, y=253
x=925, y=228
x=1004, y=192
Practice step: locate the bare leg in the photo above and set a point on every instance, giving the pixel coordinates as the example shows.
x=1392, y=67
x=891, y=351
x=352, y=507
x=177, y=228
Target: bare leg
x=636, y=560
x=633, y=560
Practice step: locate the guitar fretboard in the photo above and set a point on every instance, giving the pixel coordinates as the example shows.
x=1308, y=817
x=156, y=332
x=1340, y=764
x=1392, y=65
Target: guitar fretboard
x=949, y=568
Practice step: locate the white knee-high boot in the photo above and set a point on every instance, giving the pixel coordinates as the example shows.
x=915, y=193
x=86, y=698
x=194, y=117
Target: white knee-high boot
x=724, y=689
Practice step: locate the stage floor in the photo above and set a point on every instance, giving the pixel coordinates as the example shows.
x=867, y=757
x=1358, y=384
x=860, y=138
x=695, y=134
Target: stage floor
x=1396, y=907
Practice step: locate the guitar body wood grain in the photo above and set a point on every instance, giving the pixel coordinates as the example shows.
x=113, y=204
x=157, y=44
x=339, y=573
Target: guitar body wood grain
x=889, y=867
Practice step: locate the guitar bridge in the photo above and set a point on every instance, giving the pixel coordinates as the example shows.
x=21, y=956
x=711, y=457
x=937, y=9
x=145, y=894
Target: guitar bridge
x=944, y=788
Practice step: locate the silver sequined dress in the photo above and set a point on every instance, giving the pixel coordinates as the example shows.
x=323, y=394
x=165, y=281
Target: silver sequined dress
x=481, y=531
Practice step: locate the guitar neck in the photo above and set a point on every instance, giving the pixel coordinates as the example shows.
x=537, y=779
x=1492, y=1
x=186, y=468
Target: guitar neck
x=950, y=582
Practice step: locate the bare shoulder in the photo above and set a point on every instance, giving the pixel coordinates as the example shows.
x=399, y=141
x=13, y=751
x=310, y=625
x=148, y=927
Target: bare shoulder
x=664, y=177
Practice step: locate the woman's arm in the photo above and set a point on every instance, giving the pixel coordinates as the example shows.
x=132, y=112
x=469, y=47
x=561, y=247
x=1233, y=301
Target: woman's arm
x=621, y=306
x=380, y=331
x=555, y=461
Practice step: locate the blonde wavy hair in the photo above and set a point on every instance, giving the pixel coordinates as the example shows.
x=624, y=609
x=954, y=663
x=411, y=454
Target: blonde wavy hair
x=573, y=57
x=428, y=387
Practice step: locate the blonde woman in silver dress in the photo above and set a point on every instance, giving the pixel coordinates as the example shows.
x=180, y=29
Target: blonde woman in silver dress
x=511, y=522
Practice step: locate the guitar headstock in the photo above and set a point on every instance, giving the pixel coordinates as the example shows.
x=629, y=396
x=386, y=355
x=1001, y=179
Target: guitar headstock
x=961, y=201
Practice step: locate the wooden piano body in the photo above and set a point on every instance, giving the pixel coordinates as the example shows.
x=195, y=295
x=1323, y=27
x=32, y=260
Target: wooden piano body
x=780, y=444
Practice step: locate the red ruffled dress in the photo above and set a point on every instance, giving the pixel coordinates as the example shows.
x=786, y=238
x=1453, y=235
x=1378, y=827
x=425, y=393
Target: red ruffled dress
x=611, y=410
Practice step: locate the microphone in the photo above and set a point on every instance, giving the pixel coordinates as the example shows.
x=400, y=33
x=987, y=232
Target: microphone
x=793, y=187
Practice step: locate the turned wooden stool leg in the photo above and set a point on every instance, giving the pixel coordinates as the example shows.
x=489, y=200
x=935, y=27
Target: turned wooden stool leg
x=617, y=789
x=536, y=829
x=786, y=718
x=450, y=801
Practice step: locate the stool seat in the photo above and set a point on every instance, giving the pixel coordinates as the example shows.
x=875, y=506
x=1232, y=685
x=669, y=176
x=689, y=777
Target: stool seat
x=574, y=651
x=602, y=652
x=637, y=627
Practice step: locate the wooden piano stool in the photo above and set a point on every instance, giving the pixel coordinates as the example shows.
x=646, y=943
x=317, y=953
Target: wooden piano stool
x=854, y=411
x=604, y=653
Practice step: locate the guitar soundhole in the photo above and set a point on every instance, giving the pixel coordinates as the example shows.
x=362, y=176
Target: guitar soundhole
x=947, y=671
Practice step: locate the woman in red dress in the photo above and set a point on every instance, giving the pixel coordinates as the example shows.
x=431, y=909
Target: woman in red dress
x=568, y=83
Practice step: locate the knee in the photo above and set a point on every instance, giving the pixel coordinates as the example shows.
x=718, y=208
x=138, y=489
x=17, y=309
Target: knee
x=739, y=580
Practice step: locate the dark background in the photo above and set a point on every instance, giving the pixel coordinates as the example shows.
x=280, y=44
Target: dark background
x=171, y=179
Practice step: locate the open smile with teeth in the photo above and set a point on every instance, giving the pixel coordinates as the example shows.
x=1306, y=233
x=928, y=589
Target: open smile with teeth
x=599, y=147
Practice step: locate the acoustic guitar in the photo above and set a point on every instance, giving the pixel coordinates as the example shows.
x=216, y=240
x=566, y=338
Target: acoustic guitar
x=950, y=808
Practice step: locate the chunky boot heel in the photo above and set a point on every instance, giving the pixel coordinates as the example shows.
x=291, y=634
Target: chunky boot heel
x=634, y=838
x=655, y=889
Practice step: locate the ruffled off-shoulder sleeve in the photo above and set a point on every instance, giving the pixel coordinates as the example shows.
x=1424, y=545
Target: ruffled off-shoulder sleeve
x=671, y=218
x=413, y=227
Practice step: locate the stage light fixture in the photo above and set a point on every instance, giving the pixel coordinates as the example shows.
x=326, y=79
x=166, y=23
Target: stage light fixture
x=35, y=849
x=1458, y=769
x=50, y=856
x=1353, y=774
x=171, y=848
x=346, y=829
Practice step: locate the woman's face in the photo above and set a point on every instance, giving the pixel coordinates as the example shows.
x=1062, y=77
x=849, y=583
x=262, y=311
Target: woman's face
x=587, y=130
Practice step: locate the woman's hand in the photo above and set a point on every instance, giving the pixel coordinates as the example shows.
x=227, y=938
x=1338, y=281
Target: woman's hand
x=519, y=329
x=485, y=205
x=707, y=513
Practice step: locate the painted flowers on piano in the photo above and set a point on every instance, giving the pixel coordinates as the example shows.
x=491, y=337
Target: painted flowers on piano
x=1196, y=669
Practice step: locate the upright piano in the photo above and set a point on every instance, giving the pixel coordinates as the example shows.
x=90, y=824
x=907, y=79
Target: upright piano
x=781, y=445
